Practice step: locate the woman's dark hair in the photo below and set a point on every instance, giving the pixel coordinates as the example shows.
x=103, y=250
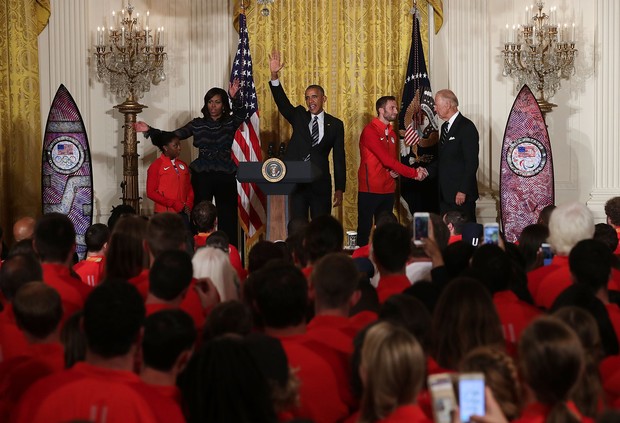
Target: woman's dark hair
x=223, y=383
x=426, y=292
x=551, y=360
x=125, y=257
x=581, y=296
x=261, y=253
x=456, y=257
x=162, y=138
x=73, y=339
x=589, y=389
x=229, y=317
x=465, y=318
x=219, y=239
x=530, y=240
x=271, y=358
x=493, y=267
x=296, y=229
x=408, y=312
x=226, y=110
x=4, y=249
x=117, y=212
x=519, y=274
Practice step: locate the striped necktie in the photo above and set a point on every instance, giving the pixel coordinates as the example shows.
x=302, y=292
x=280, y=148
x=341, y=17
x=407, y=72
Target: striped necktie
x=315, y=131
x=444, y=133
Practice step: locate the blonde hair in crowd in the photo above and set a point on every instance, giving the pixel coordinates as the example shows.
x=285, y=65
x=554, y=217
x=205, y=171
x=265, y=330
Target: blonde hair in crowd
x=392, y=370
x=570, y=223
x=213, y=263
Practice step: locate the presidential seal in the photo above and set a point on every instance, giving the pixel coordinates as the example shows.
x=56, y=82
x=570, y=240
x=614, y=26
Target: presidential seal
x=526, y=157
x=274, y=170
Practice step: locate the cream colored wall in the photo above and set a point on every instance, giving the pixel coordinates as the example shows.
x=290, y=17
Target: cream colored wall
x=465, y=57
x=583, y=128
x=200, y=44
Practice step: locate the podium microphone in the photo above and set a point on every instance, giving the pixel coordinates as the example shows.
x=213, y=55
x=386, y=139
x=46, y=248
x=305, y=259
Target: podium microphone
x=270, y=149
x=282, y=149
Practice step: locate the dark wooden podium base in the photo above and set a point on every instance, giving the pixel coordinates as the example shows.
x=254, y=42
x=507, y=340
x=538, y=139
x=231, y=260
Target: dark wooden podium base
x=276, y=217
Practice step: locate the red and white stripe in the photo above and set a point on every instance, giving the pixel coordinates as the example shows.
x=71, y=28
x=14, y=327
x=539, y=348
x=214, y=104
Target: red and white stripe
x=252, y=201
x=411, y=135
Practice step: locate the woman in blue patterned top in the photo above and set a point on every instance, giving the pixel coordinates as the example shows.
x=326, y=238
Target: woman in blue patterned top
x=214, y=171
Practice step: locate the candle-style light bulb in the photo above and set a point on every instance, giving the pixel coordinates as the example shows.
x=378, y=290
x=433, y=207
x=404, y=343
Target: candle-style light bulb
x=527, y=14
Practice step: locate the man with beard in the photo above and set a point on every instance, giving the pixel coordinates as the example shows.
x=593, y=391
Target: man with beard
x=379, y=168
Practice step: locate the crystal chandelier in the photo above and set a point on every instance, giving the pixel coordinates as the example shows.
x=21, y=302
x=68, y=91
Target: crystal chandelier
x=540, y=53
x=130, y=57
x=265, y=3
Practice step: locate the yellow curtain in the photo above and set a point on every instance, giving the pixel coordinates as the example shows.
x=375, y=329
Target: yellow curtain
x=356, y=49
x=20, y=133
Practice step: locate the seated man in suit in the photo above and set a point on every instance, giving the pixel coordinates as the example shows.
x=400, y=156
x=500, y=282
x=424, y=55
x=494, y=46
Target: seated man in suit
x=315, y=134
x=458, y=158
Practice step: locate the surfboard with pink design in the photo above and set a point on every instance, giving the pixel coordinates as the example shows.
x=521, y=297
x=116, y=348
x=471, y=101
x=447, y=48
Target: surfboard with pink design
x=66, y=173
x=526, y=170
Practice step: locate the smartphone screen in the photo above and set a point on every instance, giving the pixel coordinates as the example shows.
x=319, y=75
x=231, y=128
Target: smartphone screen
x=420, y=227
x=491, y=233
x=547, y=253
x=471, y=395
x=442, y=394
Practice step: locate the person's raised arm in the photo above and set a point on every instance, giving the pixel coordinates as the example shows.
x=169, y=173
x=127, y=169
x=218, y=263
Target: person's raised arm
x=275, y=64
x=183, y=132
x=141, y=126
x=147, y=130
x=238, y=109
x=233, y=88
x=279, y=96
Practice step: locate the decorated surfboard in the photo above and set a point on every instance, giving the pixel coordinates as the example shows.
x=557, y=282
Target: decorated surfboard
x=67, y=177
x=526, y=169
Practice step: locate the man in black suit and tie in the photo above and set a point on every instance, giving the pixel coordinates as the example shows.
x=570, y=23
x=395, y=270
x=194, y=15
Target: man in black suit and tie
x=315, y=134
x=458, y=158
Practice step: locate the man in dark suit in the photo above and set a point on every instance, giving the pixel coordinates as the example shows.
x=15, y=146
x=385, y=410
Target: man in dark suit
x=315, y=134
x=458, y=158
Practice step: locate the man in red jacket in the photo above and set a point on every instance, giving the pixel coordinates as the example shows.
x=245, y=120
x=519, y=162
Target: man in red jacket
x=103, y=388
x=54, y=242
x=379, y=167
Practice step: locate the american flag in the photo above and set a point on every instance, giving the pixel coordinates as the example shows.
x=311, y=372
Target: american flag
x=246, y=146
x=411, y=135
x=417, y=100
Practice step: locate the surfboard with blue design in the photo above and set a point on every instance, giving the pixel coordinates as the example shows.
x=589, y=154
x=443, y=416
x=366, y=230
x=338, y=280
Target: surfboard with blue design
x=526, y=171
x=67, y=176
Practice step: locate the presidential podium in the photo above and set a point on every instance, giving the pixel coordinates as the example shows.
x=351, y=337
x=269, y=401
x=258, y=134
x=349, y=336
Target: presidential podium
x=277, y=188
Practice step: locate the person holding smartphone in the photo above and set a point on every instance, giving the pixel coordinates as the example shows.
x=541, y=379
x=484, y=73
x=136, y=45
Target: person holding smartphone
x=379, y=168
